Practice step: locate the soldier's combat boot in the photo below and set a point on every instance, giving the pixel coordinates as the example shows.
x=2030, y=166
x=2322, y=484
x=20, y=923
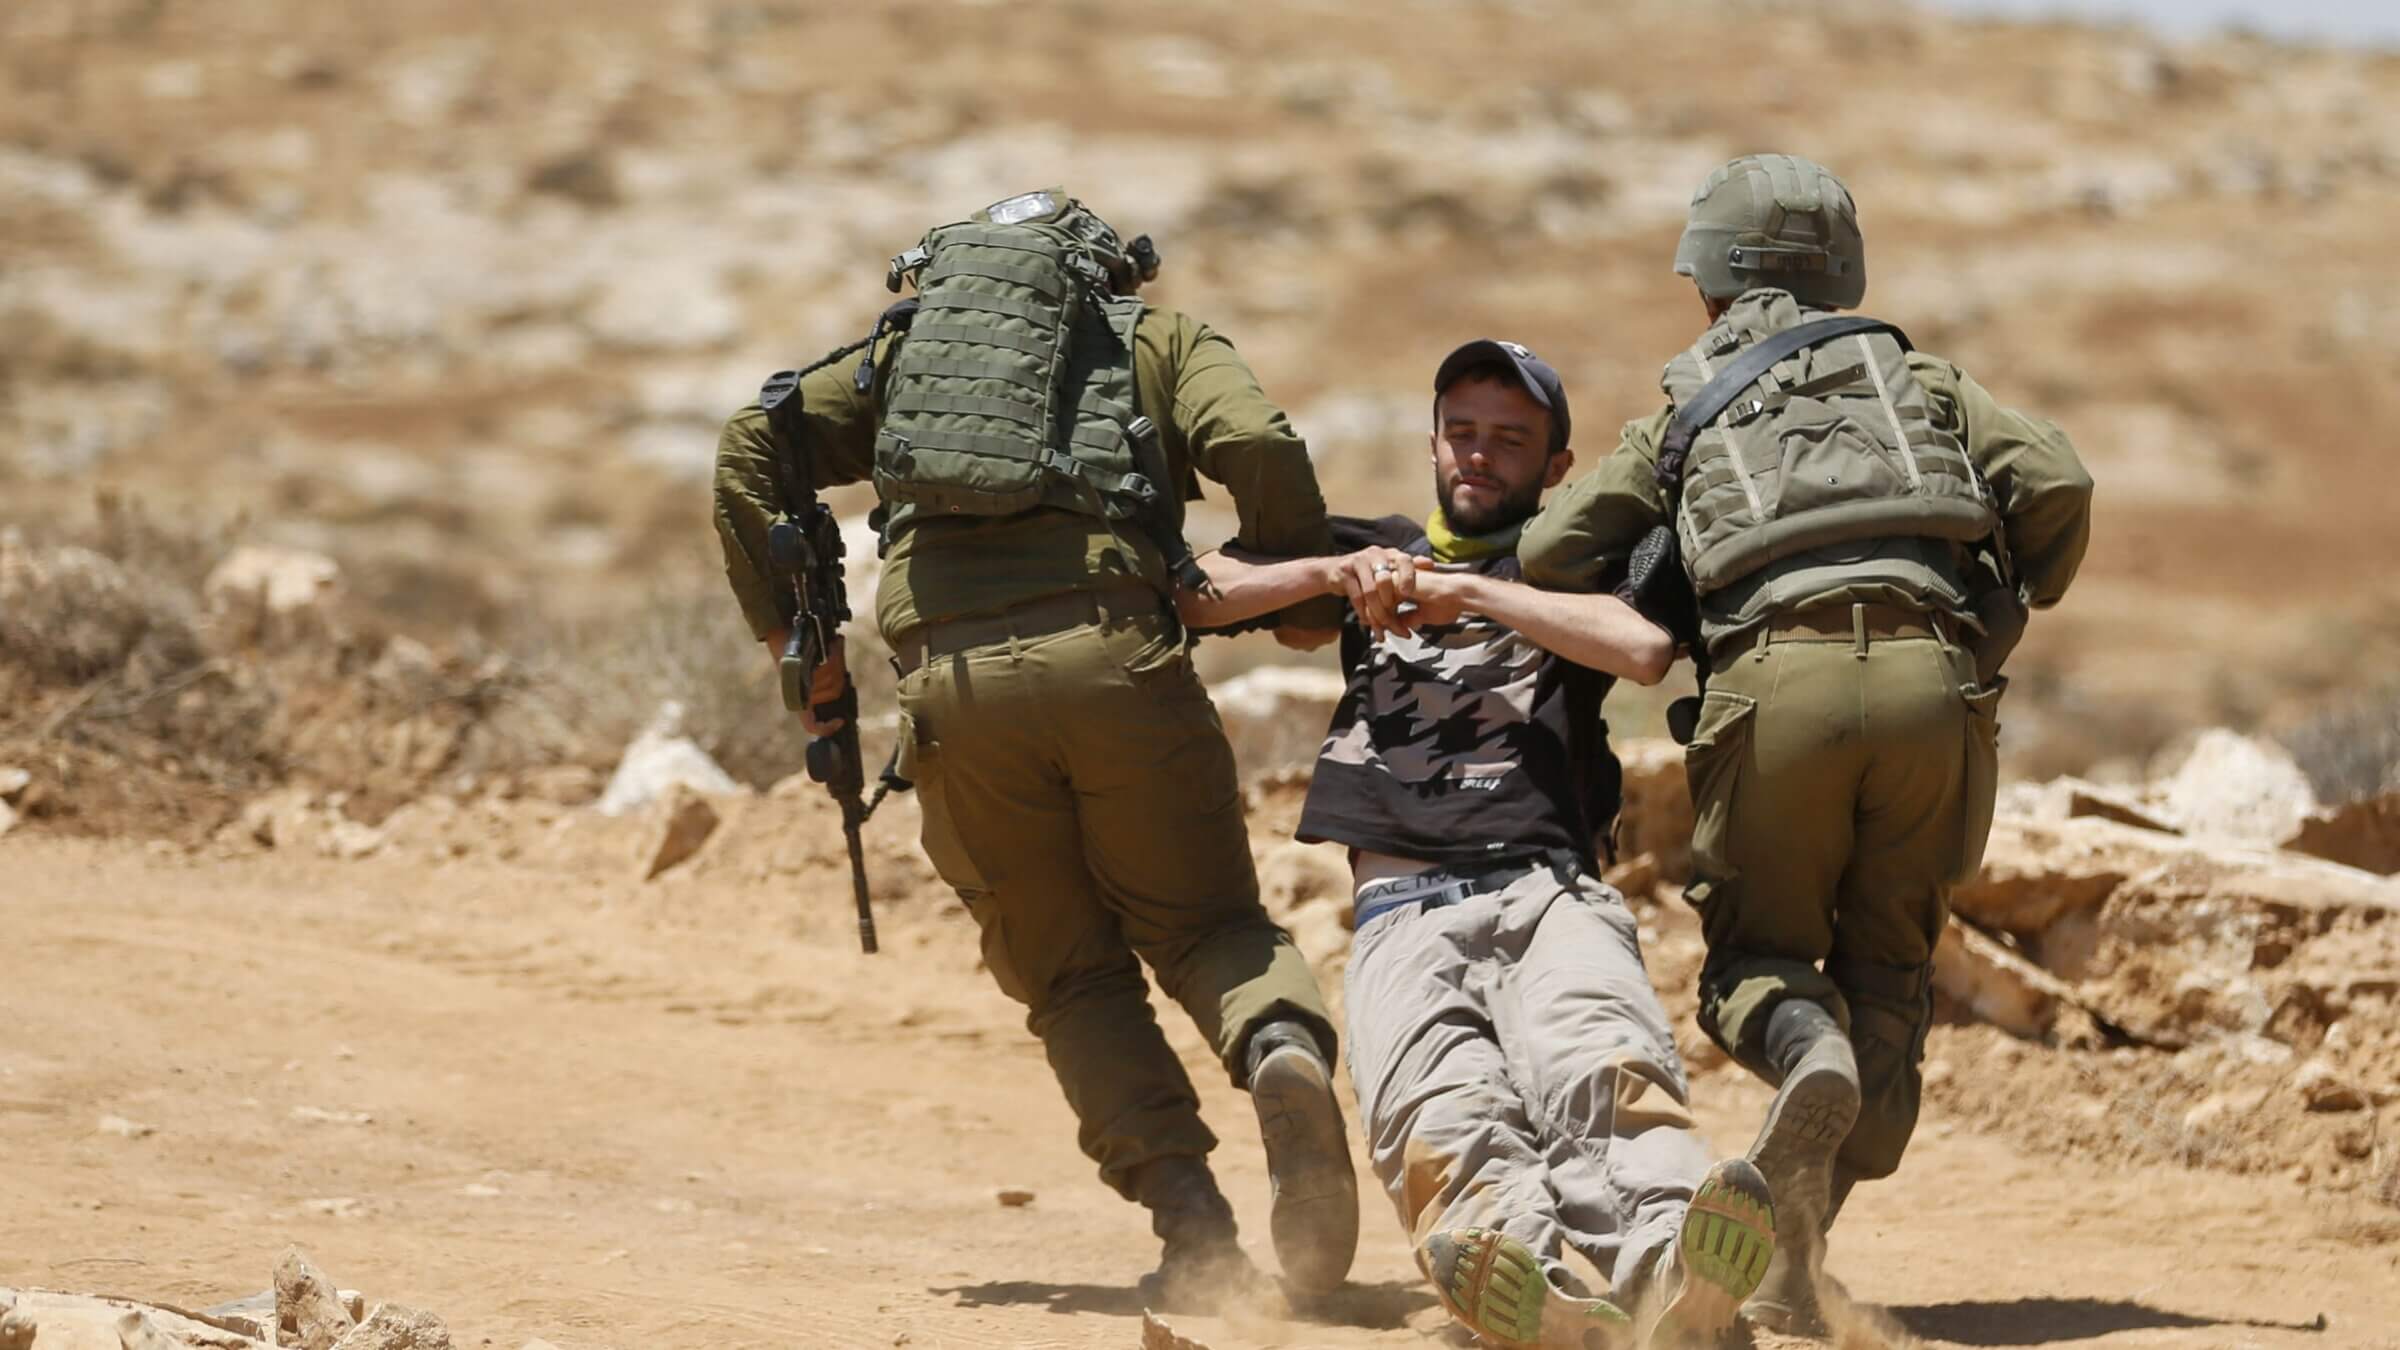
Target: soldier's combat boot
x=1201, y=1266
x=1788, y=1299
x=1695, y=1291
x=1496, y=1287
x=1816, y=1102
x=1315, y=1216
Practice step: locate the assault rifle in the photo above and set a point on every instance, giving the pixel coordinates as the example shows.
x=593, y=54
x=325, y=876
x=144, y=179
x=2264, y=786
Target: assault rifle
x=805, y=550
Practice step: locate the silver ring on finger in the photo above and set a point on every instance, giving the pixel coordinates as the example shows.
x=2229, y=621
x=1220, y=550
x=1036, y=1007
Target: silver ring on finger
x=1383, y=569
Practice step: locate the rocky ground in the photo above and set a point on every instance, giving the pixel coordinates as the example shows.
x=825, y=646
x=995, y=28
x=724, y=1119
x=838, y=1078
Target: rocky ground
x=400, y=847
x=2162, y=1104
x=491, y=1070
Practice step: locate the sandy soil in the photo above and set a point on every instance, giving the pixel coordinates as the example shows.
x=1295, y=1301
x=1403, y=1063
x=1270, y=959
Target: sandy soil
x=689, y=1114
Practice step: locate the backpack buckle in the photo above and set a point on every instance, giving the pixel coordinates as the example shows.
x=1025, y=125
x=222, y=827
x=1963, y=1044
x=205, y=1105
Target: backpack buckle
x=904, y=264
x=1090, y=269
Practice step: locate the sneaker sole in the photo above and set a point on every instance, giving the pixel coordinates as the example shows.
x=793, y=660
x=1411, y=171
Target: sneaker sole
x=1494, y=1285
x=1727, y=1240
x=1314, y=1221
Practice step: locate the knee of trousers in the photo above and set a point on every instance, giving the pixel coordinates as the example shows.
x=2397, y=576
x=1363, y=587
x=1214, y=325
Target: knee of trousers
x=1088, y=999
x=1891, y=1009
x=1738, y=994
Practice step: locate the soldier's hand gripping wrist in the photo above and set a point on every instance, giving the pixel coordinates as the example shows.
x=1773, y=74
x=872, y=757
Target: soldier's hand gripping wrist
x=1441, y=596
x=1376, y=581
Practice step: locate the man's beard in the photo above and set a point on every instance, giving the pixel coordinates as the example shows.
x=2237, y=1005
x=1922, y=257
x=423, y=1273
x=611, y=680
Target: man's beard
x=1515, y=507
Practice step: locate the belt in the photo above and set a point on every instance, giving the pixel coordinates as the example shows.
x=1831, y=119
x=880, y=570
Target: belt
x=1860, y=624
x=1837, y=622
x=1034, y=618
x=1437, y=889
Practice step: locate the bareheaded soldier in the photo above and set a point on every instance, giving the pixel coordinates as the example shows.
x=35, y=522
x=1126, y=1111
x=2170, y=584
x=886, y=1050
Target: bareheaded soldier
x=1861, y=528
x=1033, y=429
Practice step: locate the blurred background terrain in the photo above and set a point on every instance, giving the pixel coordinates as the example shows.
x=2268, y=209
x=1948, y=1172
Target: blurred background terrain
x=457, y=294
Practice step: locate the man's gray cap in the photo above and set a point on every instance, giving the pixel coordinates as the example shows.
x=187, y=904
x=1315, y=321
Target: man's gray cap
x=1540, y=381
x=1780, y=221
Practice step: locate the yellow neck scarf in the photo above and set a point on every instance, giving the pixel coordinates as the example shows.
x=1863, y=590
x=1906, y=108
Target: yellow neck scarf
x=1449, y=546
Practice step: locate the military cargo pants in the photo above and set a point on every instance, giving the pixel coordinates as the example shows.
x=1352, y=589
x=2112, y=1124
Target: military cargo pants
x=1079, y=795
x=1842, y=783
x=1515, y=1071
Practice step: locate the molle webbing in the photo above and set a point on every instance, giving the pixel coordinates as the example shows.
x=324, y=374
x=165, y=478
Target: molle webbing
x=1014, y=388
x=982, y=370
x=958, y=297
x=981, y=335
x=1839, y=524
x=1794, y=433
x=1043, y=280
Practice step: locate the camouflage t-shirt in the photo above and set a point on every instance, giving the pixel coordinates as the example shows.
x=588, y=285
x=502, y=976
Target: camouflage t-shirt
x=1463, y=742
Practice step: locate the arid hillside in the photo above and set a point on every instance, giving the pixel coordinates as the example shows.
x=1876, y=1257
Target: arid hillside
x=457, y=294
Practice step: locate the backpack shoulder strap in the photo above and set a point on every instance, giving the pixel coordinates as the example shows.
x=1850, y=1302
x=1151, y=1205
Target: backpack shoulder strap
x=1744, y=371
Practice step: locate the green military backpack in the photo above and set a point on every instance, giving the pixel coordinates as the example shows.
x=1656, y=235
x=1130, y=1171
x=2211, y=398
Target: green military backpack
x=1793, y=433
x=1014, y=385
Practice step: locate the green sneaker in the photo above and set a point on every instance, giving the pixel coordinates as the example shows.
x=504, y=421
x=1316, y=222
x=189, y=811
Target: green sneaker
x=1718, y=1258
x=1495, y=1286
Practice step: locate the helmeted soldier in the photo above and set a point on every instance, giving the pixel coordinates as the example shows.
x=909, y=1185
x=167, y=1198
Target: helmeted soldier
x=1033, y=429
x=1857, y=528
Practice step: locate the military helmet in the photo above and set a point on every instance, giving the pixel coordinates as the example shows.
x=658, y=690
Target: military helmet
x=1129, y=265
x=1775, y=220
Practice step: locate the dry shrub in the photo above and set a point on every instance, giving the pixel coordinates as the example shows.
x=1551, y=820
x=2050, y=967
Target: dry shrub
x=107, y=651
x=173, y=553
x=112, y=679
x=2352, y=749
x=71, y=616
x=586, y=687
x=119, y=601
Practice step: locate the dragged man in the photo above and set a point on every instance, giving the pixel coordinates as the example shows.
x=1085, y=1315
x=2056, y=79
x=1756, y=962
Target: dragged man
x=1518, y=1080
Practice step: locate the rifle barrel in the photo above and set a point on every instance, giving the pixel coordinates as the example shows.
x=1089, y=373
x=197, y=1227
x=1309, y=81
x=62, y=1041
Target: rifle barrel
x=858, y=876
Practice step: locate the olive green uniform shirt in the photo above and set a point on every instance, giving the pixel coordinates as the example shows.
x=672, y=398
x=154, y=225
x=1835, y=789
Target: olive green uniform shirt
x=2041, y=490
x=1213, y=420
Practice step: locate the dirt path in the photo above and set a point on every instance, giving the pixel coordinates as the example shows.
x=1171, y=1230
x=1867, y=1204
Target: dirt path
x=676, y=1116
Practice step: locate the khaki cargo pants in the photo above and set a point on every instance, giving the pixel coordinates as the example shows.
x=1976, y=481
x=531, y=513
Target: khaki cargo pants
x=1842, y=783
x=1079, y=795
x=1515, y=1071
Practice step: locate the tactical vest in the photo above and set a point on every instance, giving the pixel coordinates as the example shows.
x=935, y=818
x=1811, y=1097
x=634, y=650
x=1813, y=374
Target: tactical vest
x=1834, y=444
x=1014, y=385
